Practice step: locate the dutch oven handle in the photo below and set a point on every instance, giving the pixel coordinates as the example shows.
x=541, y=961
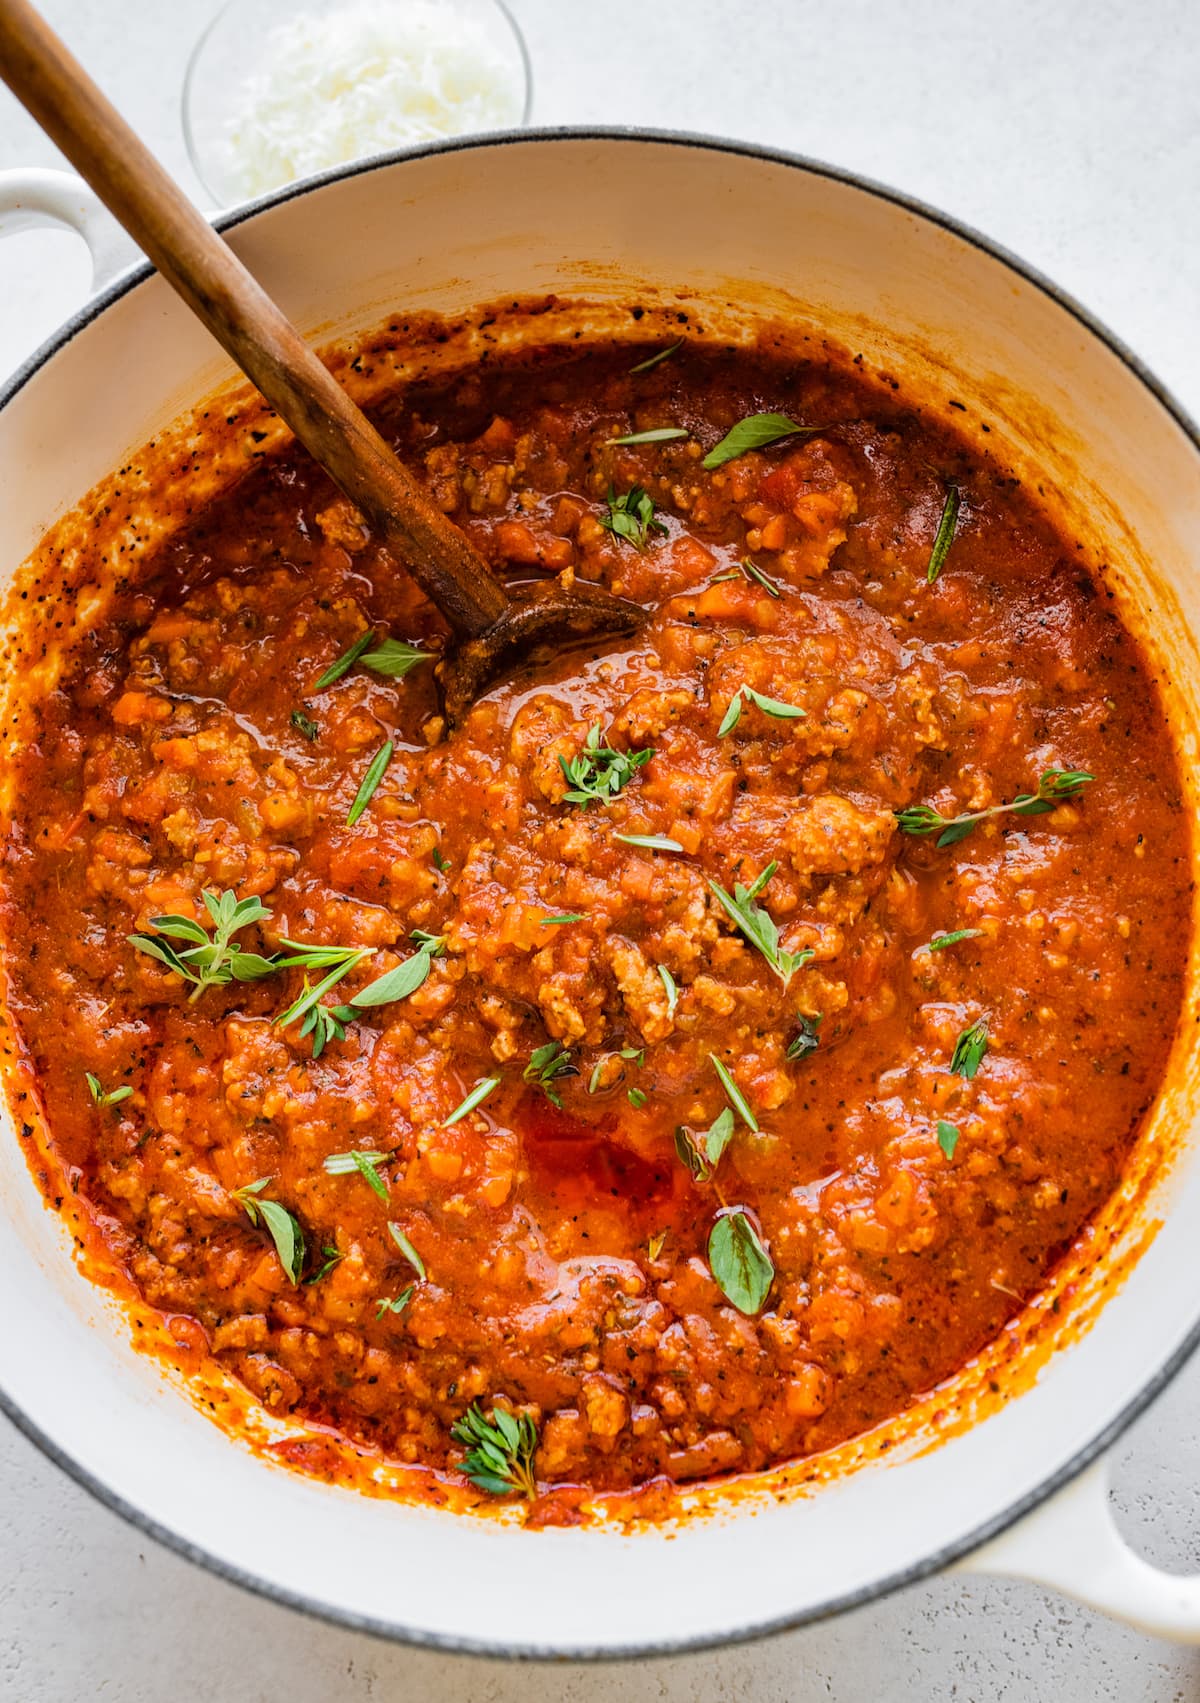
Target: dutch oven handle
x=1072, y=1544
x=36, y=197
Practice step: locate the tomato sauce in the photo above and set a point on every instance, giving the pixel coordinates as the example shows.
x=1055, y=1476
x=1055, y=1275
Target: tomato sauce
x=909, y=1135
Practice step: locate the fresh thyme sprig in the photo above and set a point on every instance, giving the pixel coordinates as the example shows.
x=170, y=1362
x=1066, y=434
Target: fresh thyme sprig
x=734, y=1094
x=391, y=657
x=759, y=927
x=323, y=1023
x=769, y=706
x=632, y=517
x=501, y=1450
x=394, y=658
x=809, y=1037
x=754, y=572
x=106, y=1097
x=701, y=1153
x=756, y=431
x=328, y=1022
x=739, y=1261
x=1053, y=788
x=283, y=1226
x=346, y=661
x=406, y=1248
x=650, y=842
x=598, y=773
x=654, y=360
x=331, y=1257
x=947, y=1137
x=970, y=1049
x=365, y=1162
x=944, y=537
x=209, y=960
x=485, y=1086
x=546, y=1065
x=940, y=942
x=603, y=1077
x=369, y=784
x=656, y=434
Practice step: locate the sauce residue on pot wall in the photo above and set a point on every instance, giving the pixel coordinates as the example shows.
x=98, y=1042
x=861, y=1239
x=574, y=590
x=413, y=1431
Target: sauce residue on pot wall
x=858, y=1224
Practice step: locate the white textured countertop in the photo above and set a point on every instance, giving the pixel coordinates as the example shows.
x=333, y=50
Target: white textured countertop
x=1068, y=130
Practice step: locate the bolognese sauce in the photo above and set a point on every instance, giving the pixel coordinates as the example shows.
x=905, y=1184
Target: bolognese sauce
x=701, y=1051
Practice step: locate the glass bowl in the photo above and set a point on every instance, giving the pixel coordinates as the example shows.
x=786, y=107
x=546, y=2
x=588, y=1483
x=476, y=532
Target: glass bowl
x=278, y=91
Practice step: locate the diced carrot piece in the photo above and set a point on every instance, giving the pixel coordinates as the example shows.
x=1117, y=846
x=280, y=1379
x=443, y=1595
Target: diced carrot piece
x=445, y=1166
x=691, y=558
x=500, y=438
x=133, y=708
x=518, y=543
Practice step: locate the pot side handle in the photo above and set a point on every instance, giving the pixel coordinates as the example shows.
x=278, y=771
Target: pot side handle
x=1072, y=1544
x=32, y=197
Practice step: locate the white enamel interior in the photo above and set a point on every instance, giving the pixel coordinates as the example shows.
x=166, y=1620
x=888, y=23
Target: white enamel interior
x=446, y=231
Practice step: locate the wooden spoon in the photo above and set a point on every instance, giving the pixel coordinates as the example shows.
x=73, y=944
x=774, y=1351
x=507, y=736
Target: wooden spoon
x=493, y=627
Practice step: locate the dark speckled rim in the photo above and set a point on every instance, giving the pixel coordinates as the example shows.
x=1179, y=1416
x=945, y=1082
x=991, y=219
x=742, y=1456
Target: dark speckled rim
x=1098, y=1443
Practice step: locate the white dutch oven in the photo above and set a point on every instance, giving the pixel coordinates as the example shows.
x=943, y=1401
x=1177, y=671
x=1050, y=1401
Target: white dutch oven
x=952, y=318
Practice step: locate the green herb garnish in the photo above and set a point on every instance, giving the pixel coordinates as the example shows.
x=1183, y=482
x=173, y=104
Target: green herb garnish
x=769, y=706
x=501, y=1448
x=475, y=1098
x=298, y=954
x=631, y=1055
x=546, y=1066
x=758, y=926
x=651, y=842
x=654, y=1246
x=1054, y=786
x=331, y=1258
x=632, y=517
x=324, y=1023
x=398, y=1305
x=372, y=778
x=394, y=658
x=734, y=1094
x=598, y=772
x=209, y=962
x=944, y=536
x=970, y=1049
x=739, y=1262
x=754, y=572
x=406, y=1248
x=653, y=360
x=328, y=1022
x=809, y=1039
x=941, y=941
x=754, y=432
x=947, y=1135
x=405, y=978
x=284, y=1229
x=701, y=1153
x=567, y=916
x=346, y=661
x=658, y=434
x=103, y=1097
x=440, y=863
x=671, y=987
x=366, y=1163
x=305, y=725
x=637, y=1097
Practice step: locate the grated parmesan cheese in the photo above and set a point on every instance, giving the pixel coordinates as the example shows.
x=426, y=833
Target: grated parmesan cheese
x=359, y=80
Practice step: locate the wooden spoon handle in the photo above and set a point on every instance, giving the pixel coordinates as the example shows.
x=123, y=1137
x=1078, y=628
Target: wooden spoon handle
x=197, y=263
